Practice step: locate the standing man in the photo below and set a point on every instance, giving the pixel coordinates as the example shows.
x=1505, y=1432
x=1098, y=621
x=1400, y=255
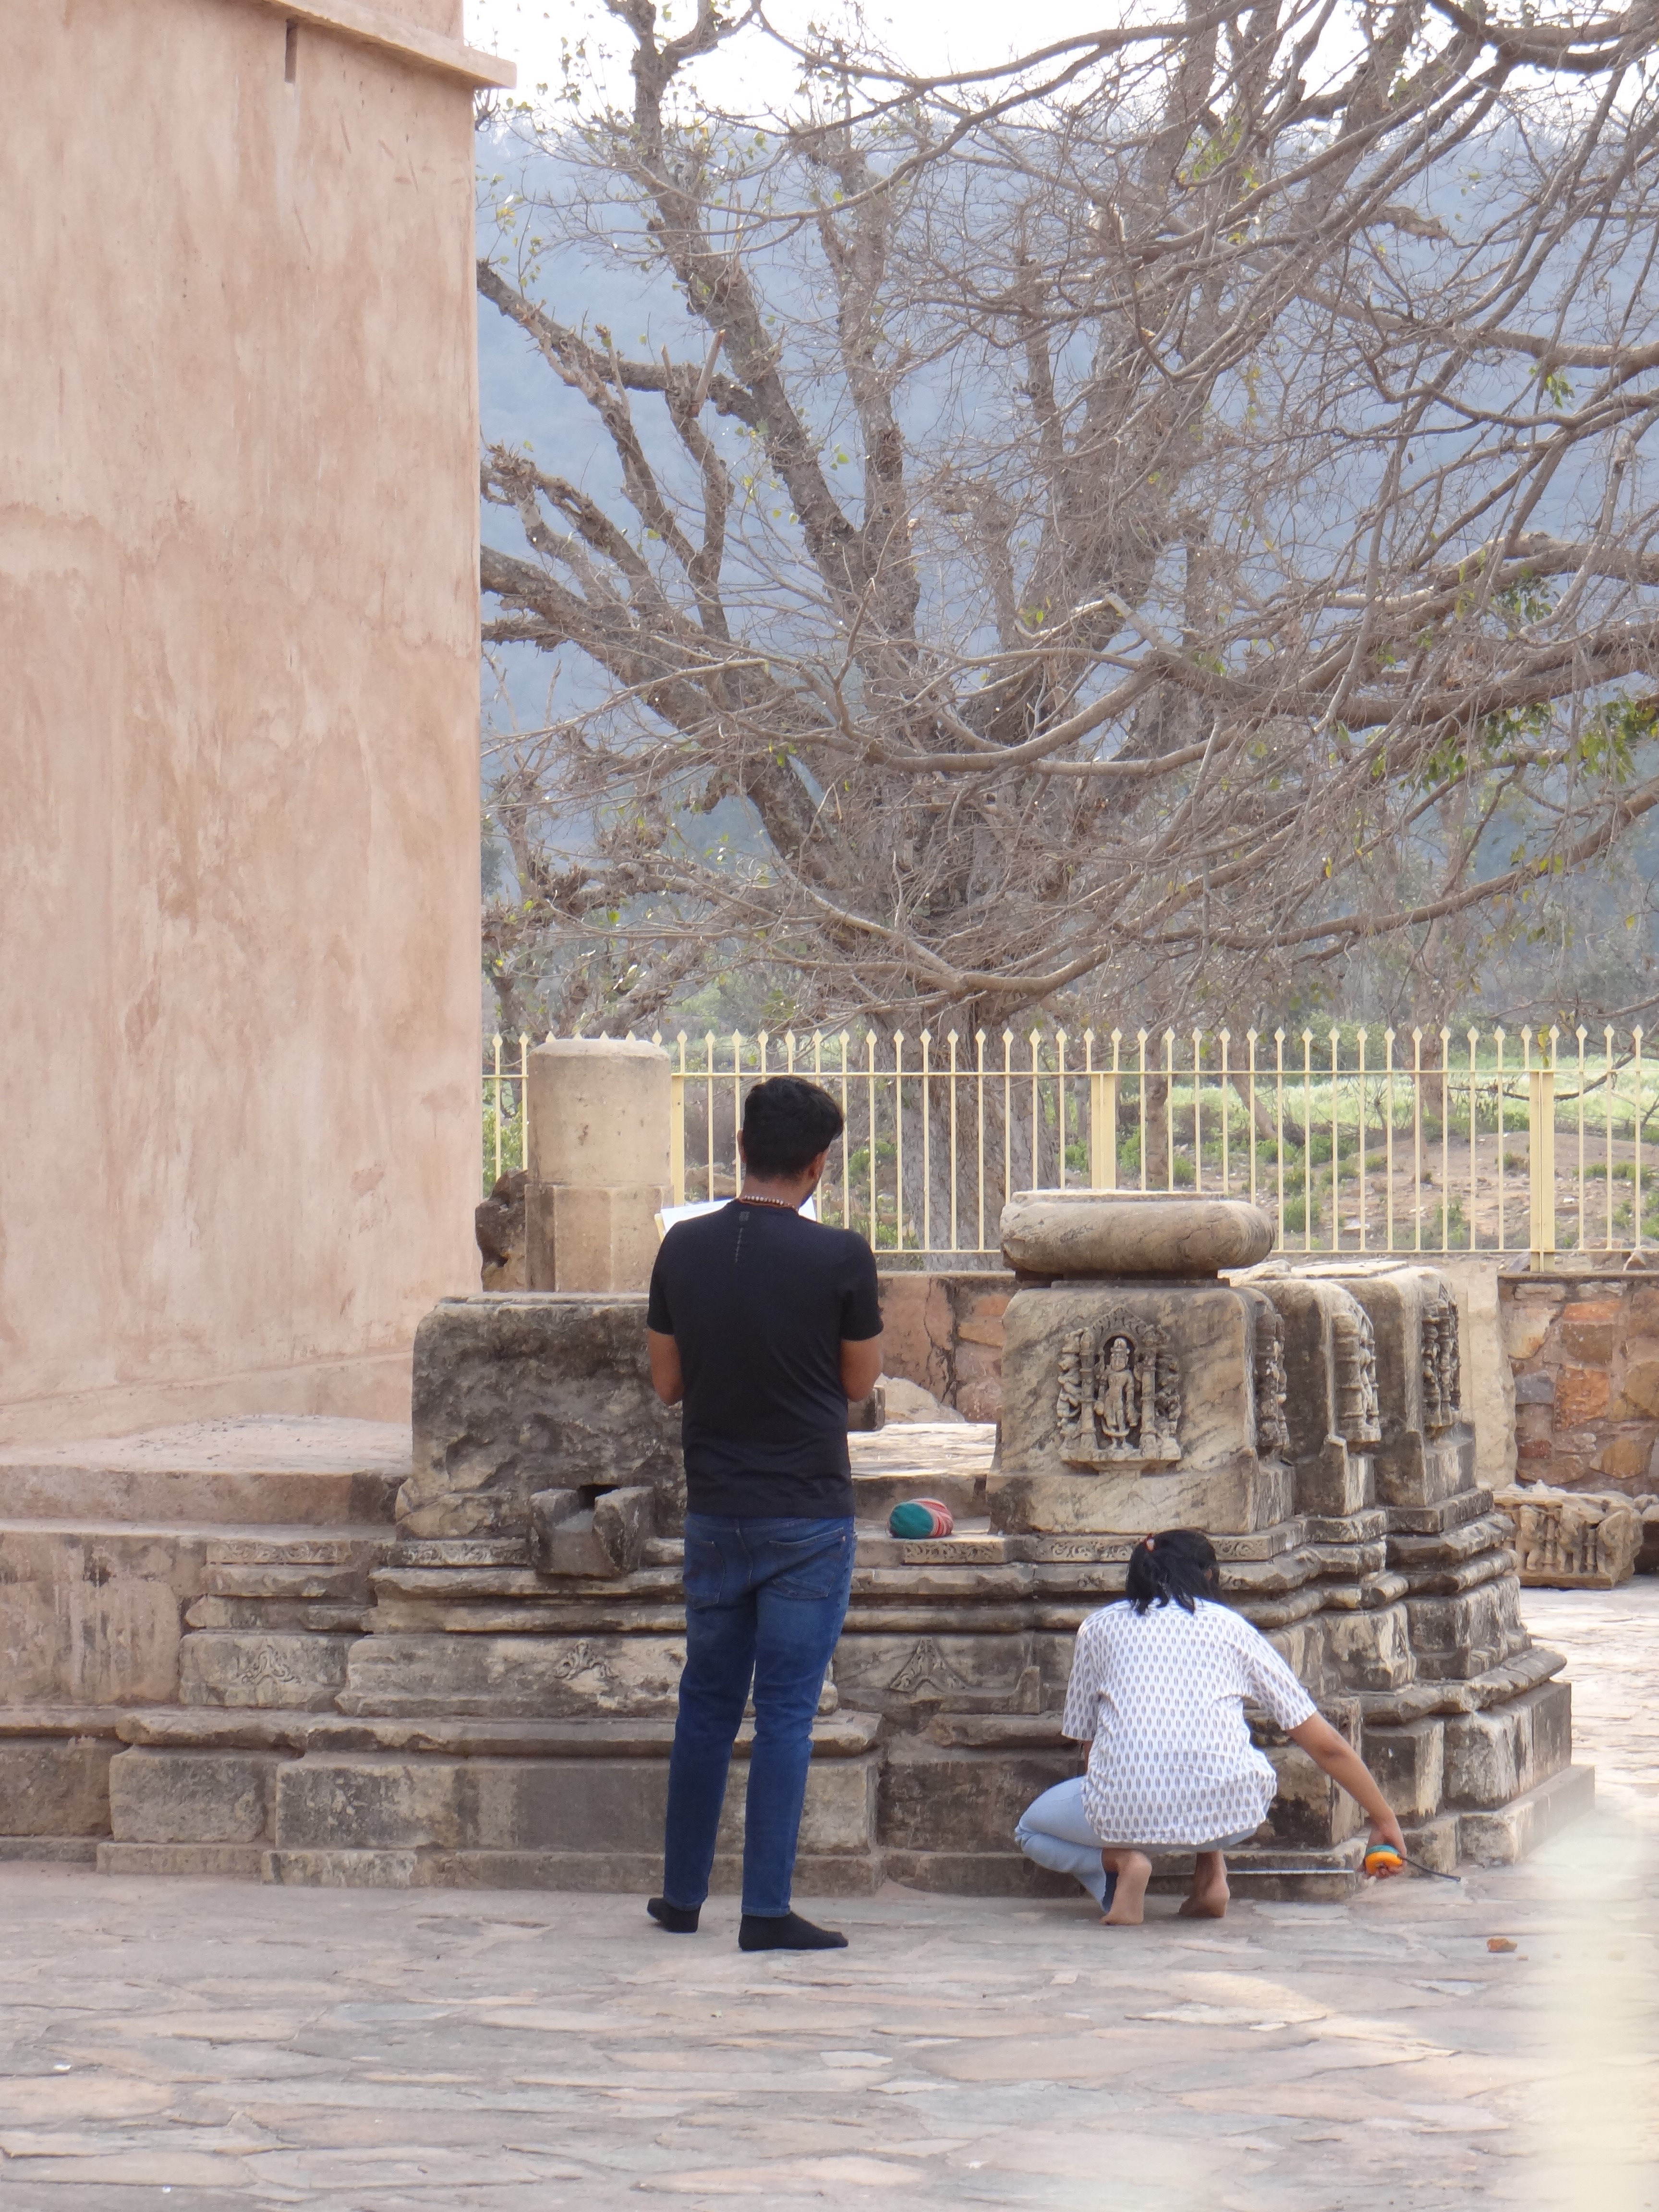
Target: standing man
x=764, y=1325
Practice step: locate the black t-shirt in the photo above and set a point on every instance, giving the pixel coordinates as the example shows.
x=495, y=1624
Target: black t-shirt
x=758, y=1299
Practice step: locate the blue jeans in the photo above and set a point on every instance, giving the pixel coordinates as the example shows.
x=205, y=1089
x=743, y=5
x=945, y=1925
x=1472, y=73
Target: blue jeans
x=764, y=1601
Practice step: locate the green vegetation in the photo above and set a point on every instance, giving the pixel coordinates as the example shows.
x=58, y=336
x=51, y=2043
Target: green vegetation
x=512, y=1134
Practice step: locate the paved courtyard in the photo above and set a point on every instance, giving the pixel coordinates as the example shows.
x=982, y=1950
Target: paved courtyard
x=206, y=2045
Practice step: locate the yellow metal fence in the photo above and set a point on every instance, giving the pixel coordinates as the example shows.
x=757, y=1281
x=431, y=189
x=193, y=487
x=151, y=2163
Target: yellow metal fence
x=1354, y=1138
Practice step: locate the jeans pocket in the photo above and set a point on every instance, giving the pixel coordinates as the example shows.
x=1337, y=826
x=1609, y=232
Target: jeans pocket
x=703, y=1572
x=811, y=1568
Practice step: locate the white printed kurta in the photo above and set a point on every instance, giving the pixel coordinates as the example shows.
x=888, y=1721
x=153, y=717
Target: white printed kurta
x=1159, y=1697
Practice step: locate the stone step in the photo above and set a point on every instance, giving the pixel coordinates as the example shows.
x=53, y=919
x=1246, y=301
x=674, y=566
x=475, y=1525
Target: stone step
x=314, y=1471
x=50, y=1850
x=1434, y=1843
x=61, y=1719
x=326, y=1800
x=167, y=1498
x=838, y=1735
x=1316, y=1877
x=1497, y=1755
x=1512, y=1831
x=216, y=1862
x=92, y=1612
x=817, y=1873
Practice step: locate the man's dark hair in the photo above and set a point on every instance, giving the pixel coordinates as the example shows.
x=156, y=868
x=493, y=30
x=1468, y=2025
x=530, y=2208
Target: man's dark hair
x=787, y=1123
x=1179, y=1563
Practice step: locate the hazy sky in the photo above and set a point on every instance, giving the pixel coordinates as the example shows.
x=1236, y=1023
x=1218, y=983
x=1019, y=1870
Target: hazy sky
x=965, y=35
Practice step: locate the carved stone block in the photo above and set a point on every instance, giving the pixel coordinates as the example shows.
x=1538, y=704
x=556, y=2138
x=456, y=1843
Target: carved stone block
x=1131, y=1233
x=275, y=1668
x=1494, y=1755
x=1330, y=1409
x=554, y=1677
x=1310, y=1810
x=934, y=1799
x=530, y=1391
x=1368, y=1649
x=1132, y=1405
x=1454, y=1638
x=1409, y=1412
x=380, y=1801
x=916, y=1673
x=1571, y=1538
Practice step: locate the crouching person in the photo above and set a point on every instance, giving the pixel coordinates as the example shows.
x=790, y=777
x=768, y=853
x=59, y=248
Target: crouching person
x=1157, y=1692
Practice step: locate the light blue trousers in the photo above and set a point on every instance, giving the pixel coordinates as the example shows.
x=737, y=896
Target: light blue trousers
x=1054, y=1832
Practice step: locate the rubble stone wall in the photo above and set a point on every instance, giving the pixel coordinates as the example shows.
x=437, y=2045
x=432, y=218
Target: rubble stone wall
x=945, y=1333
x=1585, y=1354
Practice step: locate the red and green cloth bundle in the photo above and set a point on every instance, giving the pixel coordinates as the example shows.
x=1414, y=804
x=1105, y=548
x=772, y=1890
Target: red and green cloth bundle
x=918, y=1517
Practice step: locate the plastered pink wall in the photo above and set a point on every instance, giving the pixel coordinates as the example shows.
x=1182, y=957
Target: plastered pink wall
x=238, y=729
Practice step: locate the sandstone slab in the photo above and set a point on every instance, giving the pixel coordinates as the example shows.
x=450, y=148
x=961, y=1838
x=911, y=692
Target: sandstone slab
x=544, y=1677
x=265, y=1668
x=385, y=1802
x=1572, y=1538
x=55, y=1785
x=530, y=1391
x=1095, y=1233
x=1513, y=1832
x=1493, y=1756
x=1409, y=1764
x=192, y=1796
x=1130, y=1406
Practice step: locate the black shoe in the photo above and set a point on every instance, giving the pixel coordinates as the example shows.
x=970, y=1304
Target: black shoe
x=786, y=1931
x=677, y=1919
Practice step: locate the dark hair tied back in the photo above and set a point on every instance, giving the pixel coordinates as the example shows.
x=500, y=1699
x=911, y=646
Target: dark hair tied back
x=1177, y=1562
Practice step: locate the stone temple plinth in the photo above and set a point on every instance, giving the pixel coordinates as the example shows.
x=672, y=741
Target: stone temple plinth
x=485, y=1695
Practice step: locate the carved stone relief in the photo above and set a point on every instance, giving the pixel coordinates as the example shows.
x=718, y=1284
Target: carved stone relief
x=1442, y=1378
x=1357, y=1411
x=1272, y=1432
x=927, y=1667
x=584, y=1658
x=1119, y=1399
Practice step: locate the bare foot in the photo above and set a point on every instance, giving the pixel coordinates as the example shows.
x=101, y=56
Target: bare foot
x=1207, y=1898
x=1209, y=1903
x=1133, y=1871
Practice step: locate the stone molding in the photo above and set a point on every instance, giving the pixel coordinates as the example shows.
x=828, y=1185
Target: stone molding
x=376, y=27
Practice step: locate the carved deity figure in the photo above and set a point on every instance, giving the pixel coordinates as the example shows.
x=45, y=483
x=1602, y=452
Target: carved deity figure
x=1358, y=1408
x=1272, y=1432
x=1114, y=1402
x=1075, y=1382
x=1118, y=1394
x=1441, y=1367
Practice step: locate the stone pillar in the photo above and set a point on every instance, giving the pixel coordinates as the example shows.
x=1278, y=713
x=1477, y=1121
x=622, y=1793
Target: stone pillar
x=597, y=1148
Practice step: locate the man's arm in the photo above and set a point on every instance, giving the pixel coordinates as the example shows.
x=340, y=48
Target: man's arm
x=861, y=1365
x=667, y=1379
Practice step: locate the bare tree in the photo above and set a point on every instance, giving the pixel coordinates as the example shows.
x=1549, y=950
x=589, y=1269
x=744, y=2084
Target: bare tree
x=1140, y=523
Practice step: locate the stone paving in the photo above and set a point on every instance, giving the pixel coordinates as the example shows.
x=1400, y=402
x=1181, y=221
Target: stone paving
x=206, y=2045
